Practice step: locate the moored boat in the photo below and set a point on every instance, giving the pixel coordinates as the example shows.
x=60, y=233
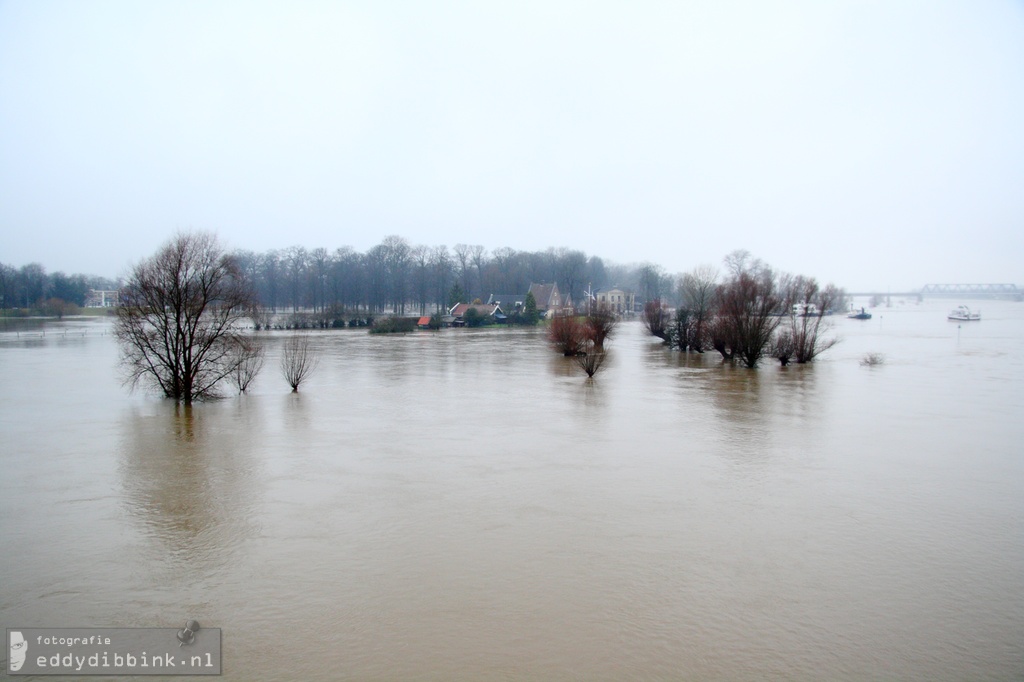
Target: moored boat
x=963, y=314
x=862, y=315
x=807, y=310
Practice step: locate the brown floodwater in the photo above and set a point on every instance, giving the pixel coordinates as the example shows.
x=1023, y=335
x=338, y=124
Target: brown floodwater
x=466, y=505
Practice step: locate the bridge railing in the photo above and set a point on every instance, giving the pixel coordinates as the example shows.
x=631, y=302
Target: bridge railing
x=961, y=289
x=1004, y=291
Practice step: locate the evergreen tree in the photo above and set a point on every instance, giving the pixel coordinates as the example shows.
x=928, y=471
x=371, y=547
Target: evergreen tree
x=530, y=312
x=455, y=296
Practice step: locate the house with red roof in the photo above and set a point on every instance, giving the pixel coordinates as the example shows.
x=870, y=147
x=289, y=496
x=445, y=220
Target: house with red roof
x=491, y=312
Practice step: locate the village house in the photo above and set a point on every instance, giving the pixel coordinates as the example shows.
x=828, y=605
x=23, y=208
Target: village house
x=549, y=301
x=510, y=303
x=100, y=298
x=616, y=300
x=489, y=311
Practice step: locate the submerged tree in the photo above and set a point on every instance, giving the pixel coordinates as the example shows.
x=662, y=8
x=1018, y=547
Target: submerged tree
x=749, y=311
x=57, y=307
x=681, y=329
x=807, y=322
x=697, y=293
x=178, y=320
x=599, y=325
x=782, y=347
x=298, y=360
x=568, y=335
x=872, y=359
x=591, y=360
x=248, y=362
x=656, y=319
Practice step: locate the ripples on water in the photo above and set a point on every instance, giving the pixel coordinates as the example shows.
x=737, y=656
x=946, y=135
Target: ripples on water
x=466, y=505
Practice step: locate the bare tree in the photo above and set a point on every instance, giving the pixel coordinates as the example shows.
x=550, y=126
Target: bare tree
x=31, y=284
x=749, y=312
x=420, y=257
x=298, y=360
x=591, y=360
x=478, y=256
x=568, y=335
x=271, y=270
x=503, y=259
x=8, y=286
x=697, y=293
x=344, y=280
x=319, y=266
x=397, y=259
x=296, y=262
x=872, y=359
x=808, y=319
x=375, y=278
x=739, y=261
x=441, y=275
x=595, y=272
x=652, y=278
x=571, y=267
x=248, y=362
x=178, y=322
x=782, y=346
x=262, y=317
x=57, y=307
x=600, y=324
x=656, y=319
x=463, y=257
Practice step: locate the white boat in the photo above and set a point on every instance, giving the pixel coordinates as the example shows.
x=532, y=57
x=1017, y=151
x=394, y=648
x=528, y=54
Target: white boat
x=964, y=314
x=805, y=310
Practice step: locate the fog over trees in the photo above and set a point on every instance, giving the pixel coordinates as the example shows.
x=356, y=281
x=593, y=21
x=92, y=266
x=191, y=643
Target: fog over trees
x=31, y=287
x=746, y=312
x=396, y=276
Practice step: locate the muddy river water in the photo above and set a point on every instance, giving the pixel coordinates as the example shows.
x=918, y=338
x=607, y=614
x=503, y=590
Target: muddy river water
x=466, y=505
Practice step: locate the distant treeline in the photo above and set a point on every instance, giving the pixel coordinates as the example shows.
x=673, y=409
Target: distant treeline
x=30, y=287
x=393, y=276
x=396, y=276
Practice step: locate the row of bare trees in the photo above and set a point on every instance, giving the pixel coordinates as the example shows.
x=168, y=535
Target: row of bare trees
x=393, y=275
x=182, y=313
x=183, y=310
x=751, y=313
x=31, y=287
x=398, y=276
x=179, y=325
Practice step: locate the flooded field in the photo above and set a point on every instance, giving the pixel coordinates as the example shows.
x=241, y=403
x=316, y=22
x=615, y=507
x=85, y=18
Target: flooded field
x=466, y=505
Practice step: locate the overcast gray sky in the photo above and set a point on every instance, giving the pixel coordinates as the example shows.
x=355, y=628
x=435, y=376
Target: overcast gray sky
x=873, y=144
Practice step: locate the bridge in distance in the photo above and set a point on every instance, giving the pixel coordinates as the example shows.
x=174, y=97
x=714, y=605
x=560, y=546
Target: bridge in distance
x=1001, y=291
